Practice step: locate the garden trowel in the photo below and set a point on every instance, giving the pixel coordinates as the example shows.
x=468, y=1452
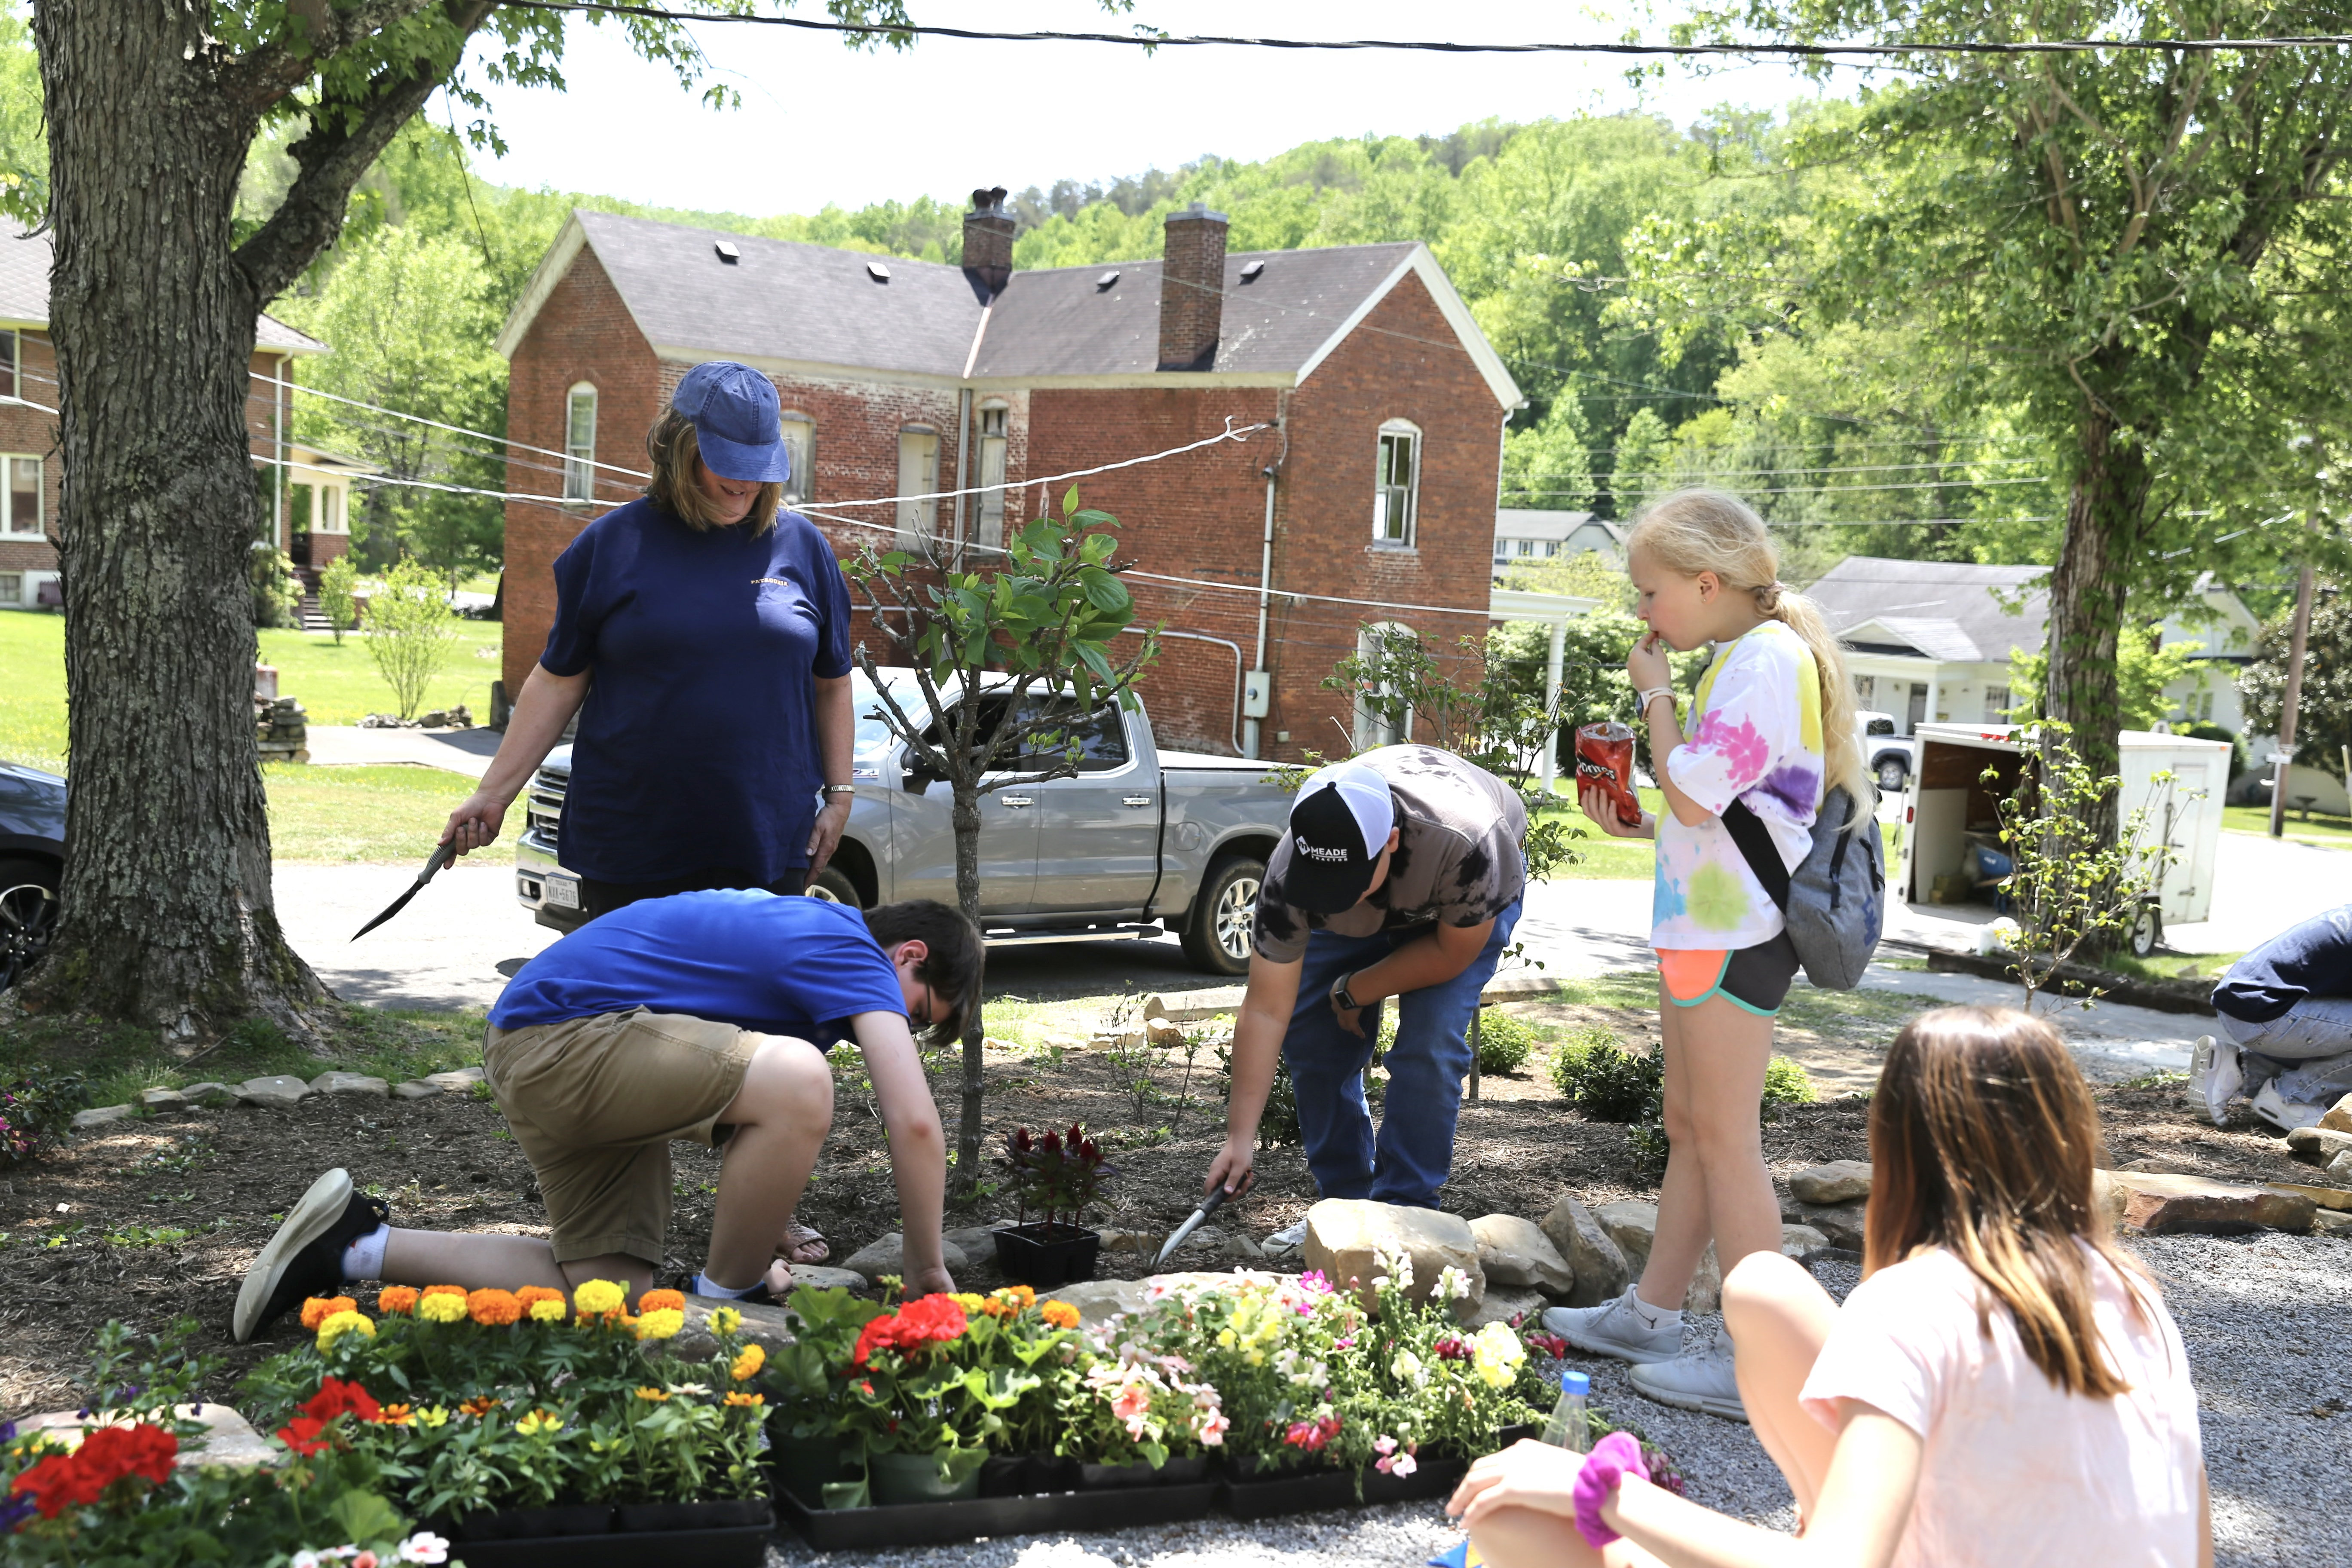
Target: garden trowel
x=442, y=855
x=1176, y=1239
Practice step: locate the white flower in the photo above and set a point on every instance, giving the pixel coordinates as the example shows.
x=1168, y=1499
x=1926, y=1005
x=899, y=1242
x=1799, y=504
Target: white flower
x=1453, y=1285
x=1407, y=1368
x=1397, y=1266
x=424, y=1547
x=306, y=1558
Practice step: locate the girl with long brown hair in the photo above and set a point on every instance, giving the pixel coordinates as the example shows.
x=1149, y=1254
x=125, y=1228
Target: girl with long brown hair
x=2004, y=1389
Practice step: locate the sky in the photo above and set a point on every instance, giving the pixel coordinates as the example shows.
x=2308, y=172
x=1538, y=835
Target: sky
x=822, y=124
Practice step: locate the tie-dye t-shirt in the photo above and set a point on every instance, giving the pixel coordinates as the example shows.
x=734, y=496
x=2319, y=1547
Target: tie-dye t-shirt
x=1754, y=734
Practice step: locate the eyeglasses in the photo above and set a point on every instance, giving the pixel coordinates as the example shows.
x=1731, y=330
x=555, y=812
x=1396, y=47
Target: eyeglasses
x=930, y=1009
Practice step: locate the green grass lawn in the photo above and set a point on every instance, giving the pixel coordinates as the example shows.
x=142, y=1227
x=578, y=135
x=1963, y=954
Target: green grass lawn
x=337, y=684
x=345, y=815
x=1603, y=857
x=2332, y=832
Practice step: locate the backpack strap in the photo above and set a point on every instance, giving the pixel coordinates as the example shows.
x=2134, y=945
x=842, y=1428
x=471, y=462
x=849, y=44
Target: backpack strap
x=1755, y=841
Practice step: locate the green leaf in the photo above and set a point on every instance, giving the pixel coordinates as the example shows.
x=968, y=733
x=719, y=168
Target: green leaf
x=1096, y=661
x=1093, y=519
x=1070, y=502
x=1107, y=592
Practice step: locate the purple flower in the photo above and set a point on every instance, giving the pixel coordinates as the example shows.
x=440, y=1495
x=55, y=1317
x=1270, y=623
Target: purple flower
x=15, y=1508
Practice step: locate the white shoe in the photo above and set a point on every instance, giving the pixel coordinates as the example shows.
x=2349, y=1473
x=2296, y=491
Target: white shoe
x=1702, y=1381
x=1616, y=1328
x=2286, y=1115
x=2215, y=1077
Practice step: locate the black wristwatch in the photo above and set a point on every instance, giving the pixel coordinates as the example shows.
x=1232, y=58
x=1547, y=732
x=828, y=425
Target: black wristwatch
x=1341, y=995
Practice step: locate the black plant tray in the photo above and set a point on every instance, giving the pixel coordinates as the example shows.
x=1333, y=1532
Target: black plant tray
x=741, y=1546
x=942, y=1523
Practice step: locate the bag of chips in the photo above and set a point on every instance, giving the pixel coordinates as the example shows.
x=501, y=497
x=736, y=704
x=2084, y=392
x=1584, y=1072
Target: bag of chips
x=1605, y=758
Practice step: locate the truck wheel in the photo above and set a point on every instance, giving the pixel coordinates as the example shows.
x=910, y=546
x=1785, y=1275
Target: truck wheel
x=28, y=914
x=1891, y=774
x=1217, y=934
x=2147, y=930
x=834, y=887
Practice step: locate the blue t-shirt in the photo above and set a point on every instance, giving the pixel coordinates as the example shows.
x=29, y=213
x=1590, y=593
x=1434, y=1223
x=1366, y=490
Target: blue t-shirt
x=777, y=965
x=2313, y=959
x=697, y=751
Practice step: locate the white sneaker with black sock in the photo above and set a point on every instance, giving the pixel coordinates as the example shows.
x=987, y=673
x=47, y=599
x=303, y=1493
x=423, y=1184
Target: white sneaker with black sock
x=1625, y=1327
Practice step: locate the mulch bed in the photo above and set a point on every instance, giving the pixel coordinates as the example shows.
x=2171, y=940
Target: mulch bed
x=221, y=1177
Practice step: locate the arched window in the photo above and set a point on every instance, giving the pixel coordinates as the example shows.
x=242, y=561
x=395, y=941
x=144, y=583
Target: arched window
x=1396, y=487
x=800, y=442
x=1384, y=707
x=580, y=444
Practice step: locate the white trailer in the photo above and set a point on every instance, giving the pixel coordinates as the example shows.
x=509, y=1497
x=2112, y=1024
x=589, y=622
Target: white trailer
x=2178, y=780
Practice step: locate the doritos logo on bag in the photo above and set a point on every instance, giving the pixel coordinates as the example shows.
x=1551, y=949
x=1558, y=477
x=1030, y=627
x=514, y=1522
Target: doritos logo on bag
x=1604, y=759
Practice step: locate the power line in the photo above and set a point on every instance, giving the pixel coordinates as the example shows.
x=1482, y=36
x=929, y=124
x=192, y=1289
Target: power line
x=1151, y=40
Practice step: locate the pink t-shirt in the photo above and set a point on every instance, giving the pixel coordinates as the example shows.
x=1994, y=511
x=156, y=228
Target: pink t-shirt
x=2015, y=1473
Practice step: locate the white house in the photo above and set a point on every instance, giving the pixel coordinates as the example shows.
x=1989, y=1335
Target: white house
x=1525, y=537
x=1931, y=640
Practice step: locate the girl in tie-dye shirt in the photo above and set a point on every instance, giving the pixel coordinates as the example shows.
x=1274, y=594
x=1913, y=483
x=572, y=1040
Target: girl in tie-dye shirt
x=1770, y=726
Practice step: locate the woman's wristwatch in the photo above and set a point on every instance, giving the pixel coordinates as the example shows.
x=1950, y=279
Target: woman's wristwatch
x=1341, y=997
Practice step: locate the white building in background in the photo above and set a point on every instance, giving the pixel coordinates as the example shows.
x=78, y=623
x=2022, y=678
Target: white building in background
x=1525, y=537
x=1930, y=641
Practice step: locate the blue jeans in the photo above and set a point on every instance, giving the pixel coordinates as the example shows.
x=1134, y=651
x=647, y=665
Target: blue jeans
x=1414, y=1152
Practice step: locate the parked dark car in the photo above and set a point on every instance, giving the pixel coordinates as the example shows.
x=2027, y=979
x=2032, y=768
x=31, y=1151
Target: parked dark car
x=32, y=864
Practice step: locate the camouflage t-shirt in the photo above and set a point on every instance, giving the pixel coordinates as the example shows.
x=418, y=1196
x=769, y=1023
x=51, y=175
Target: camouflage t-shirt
x=1458, y=858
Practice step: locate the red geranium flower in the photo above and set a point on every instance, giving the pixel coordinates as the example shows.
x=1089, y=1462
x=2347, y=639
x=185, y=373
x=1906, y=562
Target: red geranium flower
x=105, y=1456
x=335, y=1397
x=926, y=1321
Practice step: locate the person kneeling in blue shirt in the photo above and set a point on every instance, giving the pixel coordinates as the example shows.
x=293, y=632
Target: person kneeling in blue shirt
x=702, y=1016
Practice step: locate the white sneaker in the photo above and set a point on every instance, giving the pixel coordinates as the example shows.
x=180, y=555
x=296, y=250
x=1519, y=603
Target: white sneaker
x=2286, y=1115
x=1616, y=1327
x=1702, y=1381
x=2215, y=1077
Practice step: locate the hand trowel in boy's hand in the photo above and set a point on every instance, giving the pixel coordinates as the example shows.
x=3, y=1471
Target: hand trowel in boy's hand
x=441, y=857
x=1176, y=1238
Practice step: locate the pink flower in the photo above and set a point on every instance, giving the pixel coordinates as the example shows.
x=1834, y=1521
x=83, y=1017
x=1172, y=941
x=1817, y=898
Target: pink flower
x=1402, y=1465
x=1131, y=1401
x=1213, y=1430
x=1384, y=1444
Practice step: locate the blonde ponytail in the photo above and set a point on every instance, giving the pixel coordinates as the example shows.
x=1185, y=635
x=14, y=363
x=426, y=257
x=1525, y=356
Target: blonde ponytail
x=1697, y=530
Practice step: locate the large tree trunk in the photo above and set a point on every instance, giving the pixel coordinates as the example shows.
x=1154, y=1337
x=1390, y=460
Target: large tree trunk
x=168, y=918
x=2087, y=592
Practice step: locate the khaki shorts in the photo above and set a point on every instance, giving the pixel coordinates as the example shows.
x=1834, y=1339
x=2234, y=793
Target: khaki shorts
x=595, y=1102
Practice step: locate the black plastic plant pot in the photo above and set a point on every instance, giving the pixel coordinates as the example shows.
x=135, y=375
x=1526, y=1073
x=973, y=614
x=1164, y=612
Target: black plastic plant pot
x=915, y=1478
x=1020, y=1475
x=639, y=1517
x=803, y=1465
x=536, y=1523
x=743, y=1546
x=941, y=1523
x=1042, y=1256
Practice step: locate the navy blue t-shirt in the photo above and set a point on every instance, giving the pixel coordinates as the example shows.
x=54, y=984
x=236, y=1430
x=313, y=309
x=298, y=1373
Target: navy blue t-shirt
x=697, y=749
x=756, y=960
x=2313, y=959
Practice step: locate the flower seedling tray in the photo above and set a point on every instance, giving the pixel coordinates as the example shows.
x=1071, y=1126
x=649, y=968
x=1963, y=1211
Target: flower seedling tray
x=738, y=1546
x=944, y=1524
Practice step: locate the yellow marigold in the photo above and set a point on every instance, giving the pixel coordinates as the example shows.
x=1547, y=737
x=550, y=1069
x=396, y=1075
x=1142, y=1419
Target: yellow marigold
x=969, y=1300
x=338, y=1324
x=395, y=1300
x=319, y=1309
x=493, y=1309
x=653, y=1395
x=441, y=1309
x=598, y=1296
x=724, y=1319
x=658, y=1325
x=398, y=1415
x=481, y=1405
x=661, y=1301
x=749, y=1364
x=553, y=1311
x=538, y=1421
x=1061, y=1314
x=749, y=1401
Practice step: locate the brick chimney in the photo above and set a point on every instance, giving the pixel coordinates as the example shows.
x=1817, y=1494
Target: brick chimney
x=1192, y=288
x=988, y=241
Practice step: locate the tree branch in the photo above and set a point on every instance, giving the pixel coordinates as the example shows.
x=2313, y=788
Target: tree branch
x=267, y=75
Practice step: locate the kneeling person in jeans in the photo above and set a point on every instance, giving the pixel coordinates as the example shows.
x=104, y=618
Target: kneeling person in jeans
x=702, y=1016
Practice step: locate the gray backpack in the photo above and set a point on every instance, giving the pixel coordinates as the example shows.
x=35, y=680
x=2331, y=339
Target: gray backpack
x=1835, y=902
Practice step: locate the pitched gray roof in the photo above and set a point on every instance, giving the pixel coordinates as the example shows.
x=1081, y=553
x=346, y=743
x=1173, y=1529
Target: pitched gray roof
x=1950, y=610
x=786, y=301
x=1526, y=522
x=25, y=292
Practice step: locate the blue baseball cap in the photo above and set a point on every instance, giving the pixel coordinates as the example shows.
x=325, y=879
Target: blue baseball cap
x=736, y=421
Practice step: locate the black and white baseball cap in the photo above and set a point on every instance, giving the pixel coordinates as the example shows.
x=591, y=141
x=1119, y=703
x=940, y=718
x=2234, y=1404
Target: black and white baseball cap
x=1339, y=826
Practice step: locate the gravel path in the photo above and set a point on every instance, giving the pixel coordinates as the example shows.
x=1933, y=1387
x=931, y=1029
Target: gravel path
x=2263, y=1316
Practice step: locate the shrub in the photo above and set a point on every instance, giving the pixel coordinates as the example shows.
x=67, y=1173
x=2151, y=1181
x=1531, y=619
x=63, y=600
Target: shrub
x=276, y=592
x=34, y=1108
x=1605, y=1082
x=338, y=596
x=410, y=632
x=1785, y=1083
x=1504, y=1043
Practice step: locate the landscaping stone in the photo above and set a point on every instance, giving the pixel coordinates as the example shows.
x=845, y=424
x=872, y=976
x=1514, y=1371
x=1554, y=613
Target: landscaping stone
x=1839, y=1181
x=457, y=1081
x=2165, y=1205
x=101, y=1116
x=2331, y=1222
x=282, y=1092
x=2339, y=1116
x=888, y=1255
x=1132, y=1241
x=820, y=1277
x=2340, y=1167
x=2325, y=1198
x=228, y=1439
x=2110, y=1199
x=1515, y=1251
x=163, y=1102
x=1598, y=1264
x=1163, y=1034
x=1505, y=1302
x=1346, y=1235
x=1840, y=1223
x=356, y=1083
x=416, y=1088
x=1099, y=1301
x=976, y=1242
x=2320, y=1145
x=209, y=1093
x=1632, y=1225
x=768, y=1327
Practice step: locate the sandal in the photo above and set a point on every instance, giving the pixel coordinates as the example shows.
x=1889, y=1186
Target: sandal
x=803, y=1245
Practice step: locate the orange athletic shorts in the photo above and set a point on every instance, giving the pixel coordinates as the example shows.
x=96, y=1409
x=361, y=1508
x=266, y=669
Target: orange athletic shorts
x=1756, y=978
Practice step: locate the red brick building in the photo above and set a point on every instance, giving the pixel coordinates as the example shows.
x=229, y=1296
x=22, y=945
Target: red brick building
x=30, y=477
x=1377, y=482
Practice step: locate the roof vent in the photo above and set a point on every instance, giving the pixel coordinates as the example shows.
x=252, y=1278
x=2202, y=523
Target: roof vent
x=878, y=270
x=727, y=252
x=1250, y=271
x=1107, y=279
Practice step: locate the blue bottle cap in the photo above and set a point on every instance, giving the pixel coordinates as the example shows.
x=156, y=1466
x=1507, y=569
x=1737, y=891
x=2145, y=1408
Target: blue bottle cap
x=1575, y=1383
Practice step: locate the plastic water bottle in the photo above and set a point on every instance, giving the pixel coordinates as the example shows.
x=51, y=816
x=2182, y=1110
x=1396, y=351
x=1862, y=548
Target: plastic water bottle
x=1567, y=1428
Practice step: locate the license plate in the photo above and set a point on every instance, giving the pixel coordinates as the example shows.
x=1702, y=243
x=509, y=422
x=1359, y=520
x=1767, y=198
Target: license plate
x=563, y=892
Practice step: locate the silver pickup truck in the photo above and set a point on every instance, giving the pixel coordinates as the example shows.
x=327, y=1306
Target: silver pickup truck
x=1141, y=835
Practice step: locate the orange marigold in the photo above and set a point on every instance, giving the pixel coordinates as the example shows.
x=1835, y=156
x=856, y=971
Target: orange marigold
x=481, y=1405
x=661, y=1301
x=1061, y=1314
x=492, y=1306
x=396, y=1300
x=1021, y=1293
x=531, y=1293
x=319, y=1309
x=445, y=1290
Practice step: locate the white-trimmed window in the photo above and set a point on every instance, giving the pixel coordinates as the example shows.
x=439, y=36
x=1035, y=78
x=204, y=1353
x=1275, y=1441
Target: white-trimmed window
x=993, y=442
x=580, y=444
x=11, y=369
x=1996, y=705
x=919, y=475
x=20, y=503
x=1378, y=724
x=800, y=444
x=331, y=518
x=1396, y=486
x=12, y=587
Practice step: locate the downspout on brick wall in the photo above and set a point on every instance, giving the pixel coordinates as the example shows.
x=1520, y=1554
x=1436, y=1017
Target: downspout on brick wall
x=1191, y=288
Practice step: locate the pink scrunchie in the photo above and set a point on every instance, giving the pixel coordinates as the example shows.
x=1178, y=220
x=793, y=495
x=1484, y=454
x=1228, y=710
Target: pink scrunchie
x=1612, y=1458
